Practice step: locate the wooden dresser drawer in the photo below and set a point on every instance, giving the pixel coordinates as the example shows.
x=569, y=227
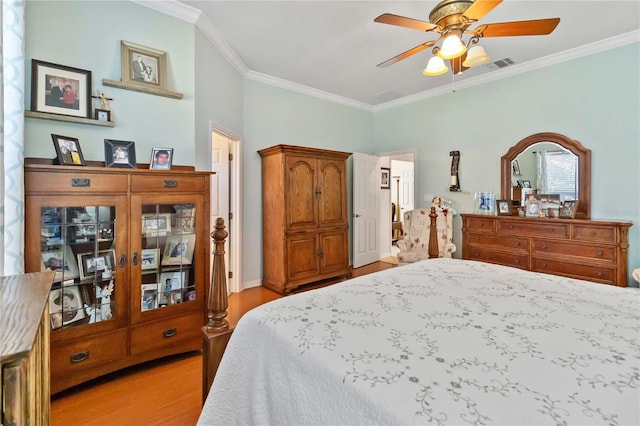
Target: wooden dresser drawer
x=594, y=233
x=498, y=241
x=601, y=274
x=167, y=183
x=502, y=258
x=166, y=335
x=67, y=359
x=38, y=182
x=537, y=228
x=587, y=251
x=485, y=224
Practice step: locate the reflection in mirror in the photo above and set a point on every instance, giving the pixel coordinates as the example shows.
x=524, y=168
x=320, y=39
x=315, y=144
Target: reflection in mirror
x=526, y=166
x=549, y=168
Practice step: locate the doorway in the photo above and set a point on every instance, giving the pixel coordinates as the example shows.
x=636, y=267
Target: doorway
x=226, y=201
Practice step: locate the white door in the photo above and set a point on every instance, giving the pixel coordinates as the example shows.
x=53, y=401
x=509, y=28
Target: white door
x=220, y=192
x=366, y=187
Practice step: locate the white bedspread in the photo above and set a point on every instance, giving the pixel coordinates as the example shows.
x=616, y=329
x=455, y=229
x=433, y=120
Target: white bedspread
x=441, y=341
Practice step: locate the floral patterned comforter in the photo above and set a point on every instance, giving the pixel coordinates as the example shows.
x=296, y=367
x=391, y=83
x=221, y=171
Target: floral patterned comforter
x=441, y=341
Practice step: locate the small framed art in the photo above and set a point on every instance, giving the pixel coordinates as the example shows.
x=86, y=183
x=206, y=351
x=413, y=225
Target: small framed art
x=59, y=89
x=66, y=306
x=102, y=114
x=526, y=183
x=143, y=66
x=532, y=208
x=150, y=258
x=503, y=207
x=484, y=202
x=156, y=224
x=119, y=154
x=60, y=261
x=92, y=264
x=568, y=209
x=385, y=178
x=67, y=150
x=178, y=250
x=161, y=158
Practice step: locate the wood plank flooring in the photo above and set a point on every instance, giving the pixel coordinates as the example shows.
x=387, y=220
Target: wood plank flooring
x=166, y=391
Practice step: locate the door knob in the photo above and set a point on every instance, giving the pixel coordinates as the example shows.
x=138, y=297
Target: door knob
x=356, y=215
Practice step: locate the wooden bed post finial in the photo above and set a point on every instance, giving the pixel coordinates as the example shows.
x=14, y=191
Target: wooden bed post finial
x=218, y=303
x=433, y=234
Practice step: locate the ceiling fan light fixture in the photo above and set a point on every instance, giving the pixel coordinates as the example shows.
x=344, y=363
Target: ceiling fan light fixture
x=476, y=56
x=452, y=47
x=435, y=67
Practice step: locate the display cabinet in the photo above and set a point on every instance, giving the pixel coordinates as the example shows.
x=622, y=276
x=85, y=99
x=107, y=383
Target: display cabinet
x=130, y=251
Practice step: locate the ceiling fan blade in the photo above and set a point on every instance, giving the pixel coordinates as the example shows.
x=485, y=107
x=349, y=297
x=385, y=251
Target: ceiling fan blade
x=479, y=8
x=520, y=28
x=456, y=64
x=410, y=52
x=401, y=21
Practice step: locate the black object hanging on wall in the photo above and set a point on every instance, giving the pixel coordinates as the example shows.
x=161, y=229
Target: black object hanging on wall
x=455, y=179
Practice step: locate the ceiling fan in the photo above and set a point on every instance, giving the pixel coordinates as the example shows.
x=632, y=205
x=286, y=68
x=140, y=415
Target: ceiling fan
x=451, y=19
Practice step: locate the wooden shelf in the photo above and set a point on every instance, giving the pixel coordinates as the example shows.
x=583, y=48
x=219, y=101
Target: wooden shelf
x=143, y=89
x=59, y=117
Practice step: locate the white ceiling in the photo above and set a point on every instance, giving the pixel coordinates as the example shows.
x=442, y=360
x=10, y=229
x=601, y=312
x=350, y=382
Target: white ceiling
x=332, y=47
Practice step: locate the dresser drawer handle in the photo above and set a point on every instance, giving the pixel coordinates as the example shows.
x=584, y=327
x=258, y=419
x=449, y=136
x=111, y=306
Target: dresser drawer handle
x=79, y=357
x=80, y=182
x=510, y=226
x=600, y=254
x=170, y=332
x=517, y=262
x=594, y=233
x=518, y=244
x=599, y=274
x=170, y=184
x=543, y=247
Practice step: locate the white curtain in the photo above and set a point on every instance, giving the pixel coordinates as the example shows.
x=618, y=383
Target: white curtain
x=12, y=128
x=541, y=165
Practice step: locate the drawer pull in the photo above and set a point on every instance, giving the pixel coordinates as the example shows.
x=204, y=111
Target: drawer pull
x=170, y=332
x=518, y=244
x=134, y=260
x=123, y=261
x=80, y=182
x=544, y=247
x=510, y=226
x=593, y=233
x=599, y=274
x=79, y=357
x=517, y=262
x=170, y=183
x=600, y=254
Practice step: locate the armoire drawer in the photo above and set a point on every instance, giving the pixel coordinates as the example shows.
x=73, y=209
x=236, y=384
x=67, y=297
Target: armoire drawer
x=537, y=228
x=601, y=274
x=168, y=333
x=502, y=258
x=167, y=183
x=586, y=251
x=498, y=241
x=83, y=355
x=76, y=182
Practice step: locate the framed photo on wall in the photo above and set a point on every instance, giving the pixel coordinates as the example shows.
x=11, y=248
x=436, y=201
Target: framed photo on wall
x=143, y=66
x=59, y=89
x=385, y=178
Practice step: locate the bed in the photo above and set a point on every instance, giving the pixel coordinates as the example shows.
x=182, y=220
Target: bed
x=440, y=341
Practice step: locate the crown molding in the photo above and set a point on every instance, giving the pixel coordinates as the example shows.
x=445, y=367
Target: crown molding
x=567, y=55
x=204, y=24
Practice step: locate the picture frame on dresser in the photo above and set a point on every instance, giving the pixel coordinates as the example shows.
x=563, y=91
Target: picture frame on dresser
x=60, y=89
x=68, y=151
x=119, y=154
x=503, y=207
x=532, y=208
x=568, y=209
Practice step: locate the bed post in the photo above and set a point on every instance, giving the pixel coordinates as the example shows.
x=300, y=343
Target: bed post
x=433, y=234
x=217, y=331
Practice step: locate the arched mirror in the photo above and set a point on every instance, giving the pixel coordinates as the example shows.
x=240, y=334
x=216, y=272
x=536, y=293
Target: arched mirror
x=521, y=157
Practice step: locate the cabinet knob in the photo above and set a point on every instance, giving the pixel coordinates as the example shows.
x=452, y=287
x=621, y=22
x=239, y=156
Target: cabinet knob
x=599, y=274
x=600, y=254
x=170, y=332
x=517, y=262
x=518, y=244
x=134, y=259
x=123, y=260
x=79, y=357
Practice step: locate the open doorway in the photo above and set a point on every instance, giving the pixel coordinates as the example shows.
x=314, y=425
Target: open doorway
x=226, y=200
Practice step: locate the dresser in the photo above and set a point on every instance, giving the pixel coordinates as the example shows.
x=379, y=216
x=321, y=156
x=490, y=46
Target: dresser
x=24, y=349
x=586, y=249
x=304, y=216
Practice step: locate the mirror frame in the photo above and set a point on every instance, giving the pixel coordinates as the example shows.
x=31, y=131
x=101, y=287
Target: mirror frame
x=584, y=167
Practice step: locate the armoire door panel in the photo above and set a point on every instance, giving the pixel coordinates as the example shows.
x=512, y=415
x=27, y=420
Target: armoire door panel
x=301, y=192
x=302, y=254
x=332, y=204
x=333, y=248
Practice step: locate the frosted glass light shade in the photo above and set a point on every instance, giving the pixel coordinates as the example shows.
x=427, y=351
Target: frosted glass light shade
x=435, y=67
x=452, y=47
x=476, y=56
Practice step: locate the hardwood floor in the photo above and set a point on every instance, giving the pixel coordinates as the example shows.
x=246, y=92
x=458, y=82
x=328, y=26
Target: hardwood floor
x=166, y=391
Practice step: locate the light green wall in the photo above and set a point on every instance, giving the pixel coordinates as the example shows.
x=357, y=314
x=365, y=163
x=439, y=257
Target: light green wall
x=594, y=99
x=87, y=35
x=581, y=99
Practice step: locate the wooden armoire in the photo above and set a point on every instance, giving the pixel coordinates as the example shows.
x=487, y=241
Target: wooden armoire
x=304, y=216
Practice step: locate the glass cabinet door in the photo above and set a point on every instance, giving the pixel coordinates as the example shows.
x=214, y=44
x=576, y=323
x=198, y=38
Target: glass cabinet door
x=78, y=243
x=168, y=259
